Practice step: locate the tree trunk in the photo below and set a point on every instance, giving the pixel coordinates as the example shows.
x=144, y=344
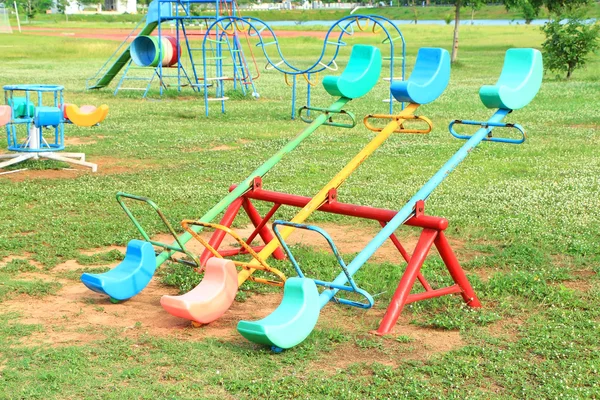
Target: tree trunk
x=456, y=25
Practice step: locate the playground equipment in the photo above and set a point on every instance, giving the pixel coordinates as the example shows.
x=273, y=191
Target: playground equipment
x=29, y=110
x=226, y=38
x=297, y=315
x=135, y=271
x=432, y=70
x=220, y=57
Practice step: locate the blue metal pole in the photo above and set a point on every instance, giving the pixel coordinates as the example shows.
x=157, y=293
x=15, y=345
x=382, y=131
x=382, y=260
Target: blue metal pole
x=407, y=211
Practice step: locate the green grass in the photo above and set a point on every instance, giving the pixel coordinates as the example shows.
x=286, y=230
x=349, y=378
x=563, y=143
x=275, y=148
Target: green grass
x=526, y=218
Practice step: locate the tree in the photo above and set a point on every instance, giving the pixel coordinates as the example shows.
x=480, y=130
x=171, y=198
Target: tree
x=531, y=8
x=32, y=7
x=475, y=4
x=568, y=45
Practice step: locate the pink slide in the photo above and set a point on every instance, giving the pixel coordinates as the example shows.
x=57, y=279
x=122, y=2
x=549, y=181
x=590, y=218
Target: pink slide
x=211, y=298
x=5, y=115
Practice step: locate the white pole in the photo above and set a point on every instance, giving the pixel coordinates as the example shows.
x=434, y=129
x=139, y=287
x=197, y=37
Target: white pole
x=17, y=12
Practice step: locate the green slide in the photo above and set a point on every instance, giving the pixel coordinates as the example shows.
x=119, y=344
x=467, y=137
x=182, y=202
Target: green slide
x=121, y=61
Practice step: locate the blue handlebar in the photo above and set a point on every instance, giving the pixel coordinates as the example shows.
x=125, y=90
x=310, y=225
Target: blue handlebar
x=488, y=124
x=329, y=285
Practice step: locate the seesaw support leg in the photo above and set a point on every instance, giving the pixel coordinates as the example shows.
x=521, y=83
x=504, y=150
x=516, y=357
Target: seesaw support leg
x=407, y=281
x=456, y=271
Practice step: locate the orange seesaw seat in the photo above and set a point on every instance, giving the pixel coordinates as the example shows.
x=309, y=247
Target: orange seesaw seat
x=86, y=115
x=5, y=115
x=211, y=298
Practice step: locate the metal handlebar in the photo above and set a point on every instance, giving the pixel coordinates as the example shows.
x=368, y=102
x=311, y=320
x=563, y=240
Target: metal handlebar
x=329, y=285
x=180, y=248
x=399, y=119
x=486, y=125
x=328, y=112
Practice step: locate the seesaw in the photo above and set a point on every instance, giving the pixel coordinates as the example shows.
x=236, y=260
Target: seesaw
x=430, y=78
x=135, y=272
x=30, y=111
x=296, y=316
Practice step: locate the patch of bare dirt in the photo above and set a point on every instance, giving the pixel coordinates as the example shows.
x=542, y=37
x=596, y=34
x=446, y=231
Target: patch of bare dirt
x=97, y=250
x=77, y=315
x=506, y=328
x=106, y=166
x=418, y=343
x=222, y=147
x=29, y=174
x=77, y=141
x=25, y=256
x=112, y=165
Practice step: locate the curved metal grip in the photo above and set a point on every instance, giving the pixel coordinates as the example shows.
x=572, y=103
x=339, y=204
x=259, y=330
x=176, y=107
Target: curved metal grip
x=329, y=113
x=263, y=265
x=399, y=120
x=488, y=125
x=165, y=221
x=330, y=285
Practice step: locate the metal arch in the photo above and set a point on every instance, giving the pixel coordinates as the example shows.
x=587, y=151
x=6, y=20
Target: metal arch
x=319, y=65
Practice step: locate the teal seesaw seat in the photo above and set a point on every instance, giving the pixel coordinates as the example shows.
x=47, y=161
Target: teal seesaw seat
x=134, y=273
x=428, y=79
x=292, y=321
x=359, y=76
x=519, y=81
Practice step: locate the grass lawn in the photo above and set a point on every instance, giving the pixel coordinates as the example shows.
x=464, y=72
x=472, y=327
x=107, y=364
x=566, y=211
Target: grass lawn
x=523, y=220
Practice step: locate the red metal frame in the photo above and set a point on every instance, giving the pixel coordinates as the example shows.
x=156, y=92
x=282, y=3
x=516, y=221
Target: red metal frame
x=432, y=234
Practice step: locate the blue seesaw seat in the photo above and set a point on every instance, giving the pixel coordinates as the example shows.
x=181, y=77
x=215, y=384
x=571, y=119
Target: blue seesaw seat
x=131, y=276
x=519, y=82
x=359, y=76
x=428, y=79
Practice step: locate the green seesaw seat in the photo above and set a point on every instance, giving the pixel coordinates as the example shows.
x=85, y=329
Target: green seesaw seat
x=359, y=76
x=519, y=81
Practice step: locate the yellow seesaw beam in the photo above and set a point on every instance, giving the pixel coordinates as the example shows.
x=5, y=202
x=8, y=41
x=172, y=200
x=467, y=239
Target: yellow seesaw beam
x=395, y=125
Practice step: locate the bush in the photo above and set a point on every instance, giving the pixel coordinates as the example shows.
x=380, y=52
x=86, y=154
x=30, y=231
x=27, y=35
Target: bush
x=568, y=45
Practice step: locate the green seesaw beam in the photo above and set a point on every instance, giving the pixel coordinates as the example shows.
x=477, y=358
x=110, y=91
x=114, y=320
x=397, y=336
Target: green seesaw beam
x=134, y=273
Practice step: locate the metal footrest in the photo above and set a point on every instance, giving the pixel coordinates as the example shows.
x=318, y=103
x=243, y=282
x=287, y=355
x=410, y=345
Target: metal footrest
x=329, y=113
x=368, y=303
x=486, y=125
x=400, y=119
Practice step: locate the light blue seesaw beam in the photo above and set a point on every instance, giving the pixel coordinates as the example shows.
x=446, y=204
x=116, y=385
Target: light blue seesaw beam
x=533, y=72
x=519, y=82
x=407, y=211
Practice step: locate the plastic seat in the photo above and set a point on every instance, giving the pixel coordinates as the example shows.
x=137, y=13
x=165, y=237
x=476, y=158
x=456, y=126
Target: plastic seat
x=359, y=76
x=86, y=115
x=129, y=277
x=211, y=298
x=519, y=82
x=428, y=80
x=5, y=115
x=292, y=321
